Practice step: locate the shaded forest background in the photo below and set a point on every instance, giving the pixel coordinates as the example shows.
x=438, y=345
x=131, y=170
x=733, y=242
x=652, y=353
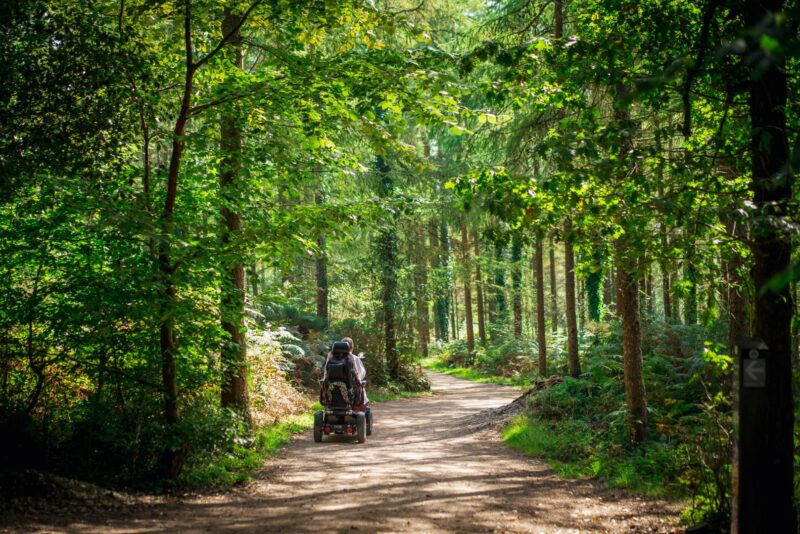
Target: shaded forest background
x=198, y=197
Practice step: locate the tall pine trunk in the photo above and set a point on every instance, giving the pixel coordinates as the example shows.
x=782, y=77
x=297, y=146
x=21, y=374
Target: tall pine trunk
x=443, y=315
x=538, y=265
x=479, y=290
x=439, y=311
x=628, y=310
x=593, y=282
x=467, y=290
x=387, y=257
x=234, y=345
x=516, y=285
x=569, y=294
x=500, y=284
x=421, y=293
x=628, y=298
x=553, y=289
x=771, y=185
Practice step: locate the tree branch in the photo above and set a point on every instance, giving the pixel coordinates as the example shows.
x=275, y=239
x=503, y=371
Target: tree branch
x=698, y=64
x=226, y=38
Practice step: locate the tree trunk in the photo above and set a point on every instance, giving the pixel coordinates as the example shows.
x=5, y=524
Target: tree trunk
x=387, y=254
x=421, y=294
x=553, y=289
x=234, y=346
x=479, y=289
x=593, y=281
x=558, y=19
x=538, y=265
x=516, y=284
x=500, y=284
x=767, y=507
x=255, y=280
x=665, y=291
x=569, y=286
x=628, y=310
x=442, y=304
x=674, y=300
x=628, y=300
x=436, y=276
x=454, y=315
x=467, y=290
x=173, y=455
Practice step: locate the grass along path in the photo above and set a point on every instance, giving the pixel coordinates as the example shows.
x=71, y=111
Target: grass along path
x=434, y=363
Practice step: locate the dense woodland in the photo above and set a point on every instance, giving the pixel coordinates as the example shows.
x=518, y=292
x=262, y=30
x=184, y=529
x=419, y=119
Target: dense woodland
x=198, y=196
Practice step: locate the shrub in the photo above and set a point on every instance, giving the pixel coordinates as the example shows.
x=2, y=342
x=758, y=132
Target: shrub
x=452, y=353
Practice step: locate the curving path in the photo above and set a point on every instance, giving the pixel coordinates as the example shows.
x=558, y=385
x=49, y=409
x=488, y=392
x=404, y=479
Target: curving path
x=418, y=472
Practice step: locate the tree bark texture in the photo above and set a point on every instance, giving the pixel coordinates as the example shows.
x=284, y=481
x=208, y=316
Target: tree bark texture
x=387, y=255
x=767, y=506
x=628, y=310
x=541, y=341
x=593, y=282
x=467, y=290
x=553, y=289
x=675, y=302
x=234, y=345
x=569, y=295
x=665, y=291
x=516, y=285
x=421, y=294
x=479, y=290
x=442, y=305
x=500, y=284
x=436, y=262
x=628, y=299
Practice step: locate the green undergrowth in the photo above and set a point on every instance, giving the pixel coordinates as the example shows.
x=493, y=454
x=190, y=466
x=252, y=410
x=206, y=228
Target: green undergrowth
x=385, y=395
x=569, y=448
x=438, y=364
x=241, y=462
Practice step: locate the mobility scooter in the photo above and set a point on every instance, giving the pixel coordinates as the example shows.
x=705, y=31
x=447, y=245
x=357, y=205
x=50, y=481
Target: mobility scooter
x=342, y=395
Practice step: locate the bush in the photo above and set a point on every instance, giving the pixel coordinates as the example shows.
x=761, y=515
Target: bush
x=580, y=426
x=452, y=353
x=512, y=357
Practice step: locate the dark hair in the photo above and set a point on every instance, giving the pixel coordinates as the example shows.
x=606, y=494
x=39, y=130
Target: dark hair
x=349, y=341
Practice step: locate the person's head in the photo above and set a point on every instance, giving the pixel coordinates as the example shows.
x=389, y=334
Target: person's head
x=349, y=342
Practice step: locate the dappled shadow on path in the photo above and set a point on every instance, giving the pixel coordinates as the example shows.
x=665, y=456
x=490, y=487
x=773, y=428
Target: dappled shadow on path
x=419, y=472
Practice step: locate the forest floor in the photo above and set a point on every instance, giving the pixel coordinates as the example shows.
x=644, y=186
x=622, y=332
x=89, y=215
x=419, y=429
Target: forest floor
x=430, y=466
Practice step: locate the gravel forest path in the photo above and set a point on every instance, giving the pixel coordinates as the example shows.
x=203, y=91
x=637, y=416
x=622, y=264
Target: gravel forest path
x=422, y=470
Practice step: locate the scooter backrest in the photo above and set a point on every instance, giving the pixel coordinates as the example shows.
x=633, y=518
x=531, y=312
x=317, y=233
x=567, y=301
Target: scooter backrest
x=340, y=347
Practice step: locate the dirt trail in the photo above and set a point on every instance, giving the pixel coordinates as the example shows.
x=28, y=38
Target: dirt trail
x=418, y=472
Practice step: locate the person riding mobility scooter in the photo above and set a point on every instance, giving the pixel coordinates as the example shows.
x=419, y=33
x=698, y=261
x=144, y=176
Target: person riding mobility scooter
x=342, y=394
